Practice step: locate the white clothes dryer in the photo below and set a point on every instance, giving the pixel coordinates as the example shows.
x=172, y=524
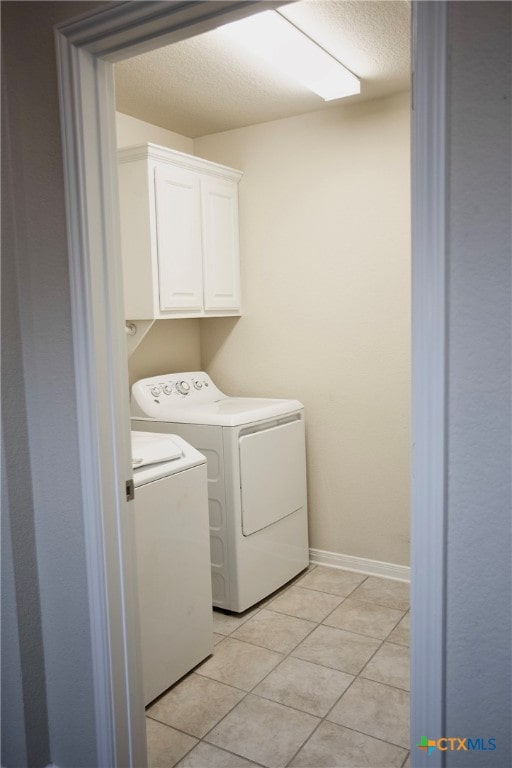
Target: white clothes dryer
x=255, y=451
x=173, y=558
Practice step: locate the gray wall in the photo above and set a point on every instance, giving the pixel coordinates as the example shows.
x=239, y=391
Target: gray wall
x=21, y=611
x=479, y=669
x=47, y=696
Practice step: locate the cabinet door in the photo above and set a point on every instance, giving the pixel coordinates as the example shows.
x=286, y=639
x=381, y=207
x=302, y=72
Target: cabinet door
x=178, y=239
x=221, y=260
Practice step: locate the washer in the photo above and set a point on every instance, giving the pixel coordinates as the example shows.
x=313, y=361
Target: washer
x=255, y=450
x=173, y=558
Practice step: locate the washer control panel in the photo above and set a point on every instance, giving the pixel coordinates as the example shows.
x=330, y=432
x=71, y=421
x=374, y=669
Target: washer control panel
x=178, y=389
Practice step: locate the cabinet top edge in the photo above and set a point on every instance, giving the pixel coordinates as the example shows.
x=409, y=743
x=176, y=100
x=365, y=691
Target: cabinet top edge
x=149, y=151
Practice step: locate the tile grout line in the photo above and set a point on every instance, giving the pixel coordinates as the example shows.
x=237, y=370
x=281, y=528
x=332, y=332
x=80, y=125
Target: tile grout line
x=362, y=733
x=285, y=654
x=289, y=654
x=403, y=611
x=317, y=623
x=380, y=640
x=387, y=685
x=360, y=599
x=290, y=761
x=320, y=718
x=328, y=594
x=351, y=728
x=325, y=720
x=251, y=691
x=362, y=634
x=357, y=676
x=360, y=673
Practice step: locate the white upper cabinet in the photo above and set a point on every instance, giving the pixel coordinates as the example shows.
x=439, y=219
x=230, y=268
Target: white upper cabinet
x=179, y=234
x=178, y=239
x=221, y=261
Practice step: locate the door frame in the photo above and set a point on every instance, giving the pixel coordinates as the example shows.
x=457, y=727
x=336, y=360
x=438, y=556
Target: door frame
x=429, y=378
x=87, y=47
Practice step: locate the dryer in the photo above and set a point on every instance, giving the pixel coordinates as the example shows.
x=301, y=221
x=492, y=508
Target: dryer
x=256, y=464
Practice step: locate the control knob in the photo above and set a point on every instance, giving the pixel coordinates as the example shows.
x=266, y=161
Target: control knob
x=167, y=390
x=198, y=385
x=155, y=391
x=183, y=387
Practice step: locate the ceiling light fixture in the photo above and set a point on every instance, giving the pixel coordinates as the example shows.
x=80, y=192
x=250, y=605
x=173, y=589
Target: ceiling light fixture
x=279, y=42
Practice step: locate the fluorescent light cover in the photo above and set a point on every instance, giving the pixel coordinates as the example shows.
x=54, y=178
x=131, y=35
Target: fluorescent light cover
x=279, y=42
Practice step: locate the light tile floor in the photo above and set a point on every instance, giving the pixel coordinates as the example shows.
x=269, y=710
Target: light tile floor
x=317, y=676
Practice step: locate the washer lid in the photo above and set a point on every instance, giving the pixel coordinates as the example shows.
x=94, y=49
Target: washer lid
x=151, y=448
x=225, y=412
x=160, y=448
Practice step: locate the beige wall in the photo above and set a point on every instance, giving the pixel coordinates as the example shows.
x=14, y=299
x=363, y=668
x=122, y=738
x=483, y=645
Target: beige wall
x=130, y=130
x=324, y=225
x=170, y=345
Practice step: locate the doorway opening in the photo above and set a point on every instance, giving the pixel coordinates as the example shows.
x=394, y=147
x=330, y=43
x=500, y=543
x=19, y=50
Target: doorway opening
x=312, y=269
x=87, y=89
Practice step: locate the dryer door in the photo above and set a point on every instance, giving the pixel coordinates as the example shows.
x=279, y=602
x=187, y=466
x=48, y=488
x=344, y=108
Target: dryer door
x=272, y=474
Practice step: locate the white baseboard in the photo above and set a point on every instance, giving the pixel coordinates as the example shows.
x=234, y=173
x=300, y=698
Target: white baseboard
x=360, y=565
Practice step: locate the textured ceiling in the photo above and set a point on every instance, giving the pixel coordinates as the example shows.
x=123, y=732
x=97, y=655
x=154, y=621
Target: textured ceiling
x=208, y=84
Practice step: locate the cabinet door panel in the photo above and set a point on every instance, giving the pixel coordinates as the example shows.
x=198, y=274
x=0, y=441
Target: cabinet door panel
x=178, y=225
x=221, y=263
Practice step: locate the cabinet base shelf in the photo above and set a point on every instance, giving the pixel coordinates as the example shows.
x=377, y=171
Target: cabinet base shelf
x=134, y=339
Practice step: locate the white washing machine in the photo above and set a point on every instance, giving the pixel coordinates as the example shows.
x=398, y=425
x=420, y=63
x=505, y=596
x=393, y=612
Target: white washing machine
x=255, y=449
x=173, y=558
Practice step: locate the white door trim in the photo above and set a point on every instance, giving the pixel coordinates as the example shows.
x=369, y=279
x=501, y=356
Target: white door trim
x=86, y=48
x=428, y=522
